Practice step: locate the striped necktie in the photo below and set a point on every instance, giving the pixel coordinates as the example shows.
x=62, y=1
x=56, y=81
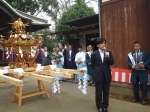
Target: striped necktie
x=137, y=57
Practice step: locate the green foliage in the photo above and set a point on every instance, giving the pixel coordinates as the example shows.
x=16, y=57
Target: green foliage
x=78, y=10
x=33, y=6
x=48, y=42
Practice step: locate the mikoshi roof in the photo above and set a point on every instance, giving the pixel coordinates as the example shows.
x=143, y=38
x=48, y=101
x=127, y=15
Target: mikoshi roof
x=26, y=18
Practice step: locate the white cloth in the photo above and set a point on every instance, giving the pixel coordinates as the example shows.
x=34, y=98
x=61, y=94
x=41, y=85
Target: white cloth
x=101, y=54
x=80, y=54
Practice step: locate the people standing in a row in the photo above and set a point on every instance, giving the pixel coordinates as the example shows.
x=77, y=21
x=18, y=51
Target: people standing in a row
x=45, y=59
x=80, y=61
x=64, y=51
x=88, y=63
x=70, y=56
x=139, y=62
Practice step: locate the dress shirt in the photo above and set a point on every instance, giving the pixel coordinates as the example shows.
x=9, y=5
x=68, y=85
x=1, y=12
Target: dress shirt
x=45, y=54
x=70, y=51
x=101, y=54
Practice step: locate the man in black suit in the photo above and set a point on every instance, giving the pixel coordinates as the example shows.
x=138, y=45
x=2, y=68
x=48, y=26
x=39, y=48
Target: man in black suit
x=70, y=55
x=101, y=61
x=64, y=51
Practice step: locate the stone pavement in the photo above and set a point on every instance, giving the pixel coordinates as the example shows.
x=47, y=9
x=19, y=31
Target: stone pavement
x=71, y=99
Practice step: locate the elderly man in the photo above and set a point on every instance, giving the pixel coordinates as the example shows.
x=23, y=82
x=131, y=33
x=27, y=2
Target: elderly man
x=45, y=59
x=70, y=56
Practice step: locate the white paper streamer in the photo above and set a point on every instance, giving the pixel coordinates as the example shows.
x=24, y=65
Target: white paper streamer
x=131, y=58
x=83, y=87
x=7, y=54
x=80, y=85
x=84, y=90
x=20, y=52
x=56, y=86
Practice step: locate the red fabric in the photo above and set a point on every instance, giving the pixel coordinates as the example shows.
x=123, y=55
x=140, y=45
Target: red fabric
x=120, y=71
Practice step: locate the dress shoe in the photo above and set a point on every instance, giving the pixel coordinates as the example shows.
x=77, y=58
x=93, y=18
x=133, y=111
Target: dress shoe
x=89, y=83
x=135, y=100
x=60, y=81
x=143, y=102
x=100, y=110
x=105, y=110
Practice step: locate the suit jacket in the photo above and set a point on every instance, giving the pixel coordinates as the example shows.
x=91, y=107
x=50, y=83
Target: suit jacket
x=143, y=74
x=89, y=67
x=45, y=60
x=101, y=68
x=88, y=58
x=65, y=59
x=72, y=56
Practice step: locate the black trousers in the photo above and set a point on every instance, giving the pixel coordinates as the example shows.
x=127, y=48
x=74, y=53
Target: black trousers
x=102, y=93
x=70, y=65
x=143, y=89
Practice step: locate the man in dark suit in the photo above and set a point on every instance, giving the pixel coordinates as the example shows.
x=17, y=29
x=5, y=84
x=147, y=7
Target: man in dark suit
x=101, y=61
x=45, y=60
x=139, y=73
x=88, y=63
x=70, y=56
x=64, y=51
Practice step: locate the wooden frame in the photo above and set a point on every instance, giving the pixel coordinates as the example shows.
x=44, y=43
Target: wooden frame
x=40, y=76
x=22, y=95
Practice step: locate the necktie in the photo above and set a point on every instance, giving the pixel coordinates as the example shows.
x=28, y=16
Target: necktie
x=137, y=57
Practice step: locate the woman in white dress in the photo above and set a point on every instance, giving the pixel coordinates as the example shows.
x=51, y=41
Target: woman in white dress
x=80, y=61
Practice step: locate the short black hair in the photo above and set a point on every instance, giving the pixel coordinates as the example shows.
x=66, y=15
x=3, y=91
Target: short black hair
x=63, y=45
x=70, y=45
x=100, y=40
x=136, y=42
x=79, y=46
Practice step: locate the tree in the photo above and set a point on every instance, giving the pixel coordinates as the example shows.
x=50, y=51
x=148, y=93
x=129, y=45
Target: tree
x=34, y=7
x=78, y=10
x=48, y=42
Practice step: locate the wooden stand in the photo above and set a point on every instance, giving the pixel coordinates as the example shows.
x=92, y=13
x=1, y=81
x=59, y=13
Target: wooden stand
x=3, y=83
x=40, y=76
x=22, y=95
